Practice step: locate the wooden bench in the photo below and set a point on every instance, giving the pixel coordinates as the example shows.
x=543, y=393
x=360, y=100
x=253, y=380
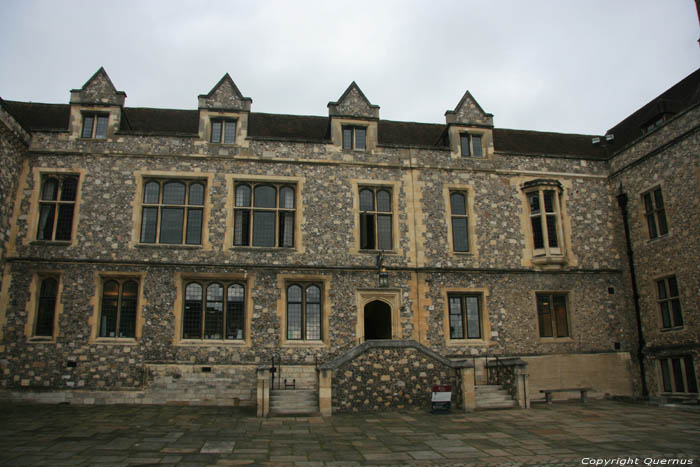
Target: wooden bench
x=583, y=391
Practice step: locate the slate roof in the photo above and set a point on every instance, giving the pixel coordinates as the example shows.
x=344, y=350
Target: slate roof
x=144, y=121
x=683, y=95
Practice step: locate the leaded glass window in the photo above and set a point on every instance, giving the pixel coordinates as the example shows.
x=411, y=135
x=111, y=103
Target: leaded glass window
x=544, y=203
x=223, y=131
x=94, y=126
x=46, y=311
x=669, y=302
x=304, y=312
x=655, y=213
x=552, y=315
x=460, y=221
x=465, y=316
x=355, y=137
x=214, y=311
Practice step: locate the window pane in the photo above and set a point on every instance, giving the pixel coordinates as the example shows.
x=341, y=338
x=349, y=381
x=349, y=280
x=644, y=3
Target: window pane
x=648, y=206
x=151, y=193
x=313, y=294
x=234, y=320
x=545, y=315
x=383, y=201
x=194, y=227
x=196, y=194
x=149, y=220
x=265, y=197
x=171, y=225
x=110, y=299
x=666, y=375
x=242, y=195
x=537, y=236
x=47, y=308
x=677, y=375
x=192, y=318
x=476, y=143
x=672, y=286
x=473, y=317
x=366, y=231
x=552, y=231
x=384, y=232
x=458, y=204
x=101, y=129
x=456, y=322
x=459, y=234
x=174, y=193
x=241, y=228
x=294, y=321
x=651, y=223
x=549, y=201
x=534, y=199
x=127, y=314
x=658, y=199
x=46, y=216
x=347, y=138
x=661, y=287
x=665, y=315
x=229, y=132
x=50, y=190
x=214, y=318
x=87, y=126
x=313, y=321
x=69, y=189
x=676, y=308
x=263, y=228
x=690, y=375
x=294, y=294
x=64, y=225
x=286, y=229
x=287, y=198
x=560, y=315
x=661, y=217
x=360, y=138
x=215, y=132
x=464, y=142
x=366, y=200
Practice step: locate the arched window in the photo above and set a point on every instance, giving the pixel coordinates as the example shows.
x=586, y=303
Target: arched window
x=48, y=292
x=376, y=219
x=304, y=312
x=119, y=305
x=217, y=314
x=266, y=220
x=172, y=212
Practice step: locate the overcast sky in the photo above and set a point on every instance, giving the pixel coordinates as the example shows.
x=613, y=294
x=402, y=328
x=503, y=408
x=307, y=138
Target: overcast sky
x=557, y=65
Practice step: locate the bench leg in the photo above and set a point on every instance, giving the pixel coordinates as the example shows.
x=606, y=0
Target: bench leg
x=584, y=397
x=548, y=397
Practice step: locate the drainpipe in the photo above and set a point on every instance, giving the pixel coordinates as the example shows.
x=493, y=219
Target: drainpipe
x=622, y=202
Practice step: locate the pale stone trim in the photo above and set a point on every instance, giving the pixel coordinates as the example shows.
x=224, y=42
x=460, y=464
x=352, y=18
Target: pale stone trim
x=282, y=281
x=33, y=214
x=298, y=182
x=10, y=244
x=391, y=297
x=337, y=124
x=414, y=219
x=454, y=132
x=395, y=232
x=241, y=118
x=75, y=125
x=418, y=294
x=137, y=203
x=485, y=321
x=4, y=301
x=535, y=174
x=472, y=220
x=96, y=302
x=179, y=305
x=32, y=305
x=569, y=316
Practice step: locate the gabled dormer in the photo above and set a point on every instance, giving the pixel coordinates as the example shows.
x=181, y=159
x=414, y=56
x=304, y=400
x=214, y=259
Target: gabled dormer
x=96, y=108
x=223, y=114
x=353, y=121
x=470, y=129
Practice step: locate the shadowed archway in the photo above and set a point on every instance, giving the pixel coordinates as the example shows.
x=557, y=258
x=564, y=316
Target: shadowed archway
x=377, y=320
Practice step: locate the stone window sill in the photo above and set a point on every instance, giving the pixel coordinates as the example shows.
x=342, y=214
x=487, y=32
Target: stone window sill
x=674, y=328
x=660, y=238
x=41, y=340
x=51, y=242
x=116, y=340
x=303, y=343
x=169, y=246
x=263, y=249
x=466, y=342
x=376, y=252
x=212, y=342
x=555, y=340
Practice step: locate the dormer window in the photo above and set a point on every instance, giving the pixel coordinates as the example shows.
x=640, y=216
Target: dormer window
x=471, y=145
x=354, y=137
x=655, y=123
x=223, y=131
x=94, y=126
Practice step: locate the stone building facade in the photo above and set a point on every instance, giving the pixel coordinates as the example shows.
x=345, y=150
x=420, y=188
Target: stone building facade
x=158, y=255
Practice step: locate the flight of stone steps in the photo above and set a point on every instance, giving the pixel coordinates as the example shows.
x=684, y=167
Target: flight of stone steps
x=493, y=397
x=293, y=402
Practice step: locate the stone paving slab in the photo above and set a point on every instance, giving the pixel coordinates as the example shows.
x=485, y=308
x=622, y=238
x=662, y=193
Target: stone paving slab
x=565, y=433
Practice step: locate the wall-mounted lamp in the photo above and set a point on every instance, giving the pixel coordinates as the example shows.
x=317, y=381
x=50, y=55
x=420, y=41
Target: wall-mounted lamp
x=382, y=275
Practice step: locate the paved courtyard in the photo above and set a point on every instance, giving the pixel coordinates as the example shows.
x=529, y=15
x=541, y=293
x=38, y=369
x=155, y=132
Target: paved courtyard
x=565, y=433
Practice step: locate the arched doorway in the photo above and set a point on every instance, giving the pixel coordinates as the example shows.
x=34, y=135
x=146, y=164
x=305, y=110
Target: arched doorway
x=377, y=320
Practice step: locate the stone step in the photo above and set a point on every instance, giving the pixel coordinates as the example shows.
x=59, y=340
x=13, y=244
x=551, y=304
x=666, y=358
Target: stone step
x=494, y=397
x=283, y=412
x=487, y=387
x=293, y=402
x=504, y=404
